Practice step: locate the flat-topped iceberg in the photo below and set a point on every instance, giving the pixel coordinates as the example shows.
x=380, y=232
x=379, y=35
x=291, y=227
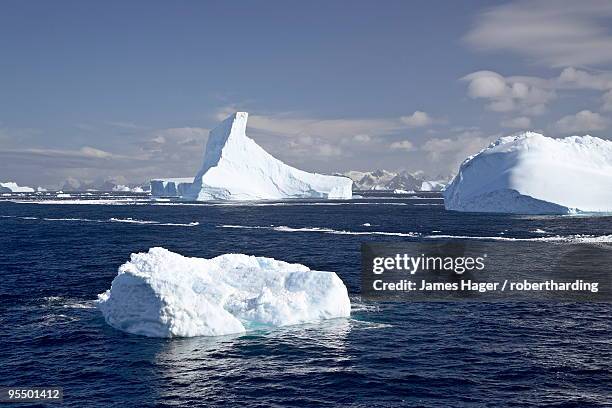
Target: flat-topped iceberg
x=170, y=187
x=237, y=168
x=163, y=294
x=533, y=174
x=12, y=187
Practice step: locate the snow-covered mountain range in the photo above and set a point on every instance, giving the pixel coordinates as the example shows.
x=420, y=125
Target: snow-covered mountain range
x=389, y=180
x=117, y=184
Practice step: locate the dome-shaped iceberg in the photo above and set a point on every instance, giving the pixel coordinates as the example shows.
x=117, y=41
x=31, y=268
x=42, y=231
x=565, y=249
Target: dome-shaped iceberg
x=532, y=174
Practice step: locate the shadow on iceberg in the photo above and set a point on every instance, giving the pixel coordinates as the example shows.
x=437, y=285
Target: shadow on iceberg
x=164, y=294
x=532, y=174
x=237, y=168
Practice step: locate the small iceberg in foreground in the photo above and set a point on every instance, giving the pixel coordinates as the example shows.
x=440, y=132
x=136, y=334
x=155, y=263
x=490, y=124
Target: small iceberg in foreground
x=533, y=174
x=237, y=168
x=164, y=294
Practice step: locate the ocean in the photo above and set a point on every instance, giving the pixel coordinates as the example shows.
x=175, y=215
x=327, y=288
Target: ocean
x=58, y=253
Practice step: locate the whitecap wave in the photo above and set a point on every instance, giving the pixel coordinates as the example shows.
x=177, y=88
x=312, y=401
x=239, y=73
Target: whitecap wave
x=176, y=224
x=284, y=228
x=132, y=221
x=72, y=219
x=81, y=202
x=69, y=303
x=557, y=238
x=18, y=217
x=576, y=238
x=114, y=220
x=357, y=305
x=429, y=204
x=147, y=222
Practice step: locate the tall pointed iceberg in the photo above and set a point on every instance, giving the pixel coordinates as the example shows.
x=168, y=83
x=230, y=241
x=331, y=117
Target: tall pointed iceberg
x=237, y=168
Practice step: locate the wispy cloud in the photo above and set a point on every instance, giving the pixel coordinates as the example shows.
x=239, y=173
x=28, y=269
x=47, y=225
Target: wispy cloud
x=126, y=125
x=85, y=157
x=328, y=128
x=449, y=152
x=300, y=138
x=583, y=121
x=405, y=145
x=86, y=152
x=522, y=122
x=417, y=119
x=531, y=95
x=556, y=33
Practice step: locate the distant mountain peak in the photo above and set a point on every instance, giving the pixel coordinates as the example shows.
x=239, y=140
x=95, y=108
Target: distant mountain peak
x=403, y=180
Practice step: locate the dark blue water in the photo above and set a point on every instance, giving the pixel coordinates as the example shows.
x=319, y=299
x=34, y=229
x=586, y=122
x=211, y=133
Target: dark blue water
x=387, y=354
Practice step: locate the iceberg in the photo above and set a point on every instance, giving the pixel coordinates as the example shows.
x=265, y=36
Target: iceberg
x=530, y=173
x=433, y=185
x=237, y=168
x=171, y=187
x=12, y=187
x=164, y=294
x=122, y=188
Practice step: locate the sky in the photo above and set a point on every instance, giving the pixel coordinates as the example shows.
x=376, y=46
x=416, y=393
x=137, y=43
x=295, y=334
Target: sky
x=129, y=90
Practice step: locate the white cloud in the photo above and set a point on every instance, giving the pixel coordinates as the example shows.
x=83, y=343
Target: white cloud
x=145, y=153
x=505, y=94
x=292, y=125
x=302, y=139
x=174, y=142
x=328, y=150
x=417, y=119
x=572, y=78
x=556, y=33
x=360, y=129
x=46, y=161
x=466, y=131
x=582, y=121
x=486, y=84
x=159, y=139
x=88, y=151
x=530, y=95
x=181, y=133
x=405, y=145
x=450, y=152
x=362, y=138
x=522, y=122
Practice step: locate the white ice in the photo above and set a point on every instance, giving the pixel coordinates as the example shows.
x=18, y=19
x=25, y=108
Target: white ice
x=533, y=174
x=127, y=189
x=12, y=187
x=164, y=294
x=170, y=187
x=237, y=168
x=433, y=185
